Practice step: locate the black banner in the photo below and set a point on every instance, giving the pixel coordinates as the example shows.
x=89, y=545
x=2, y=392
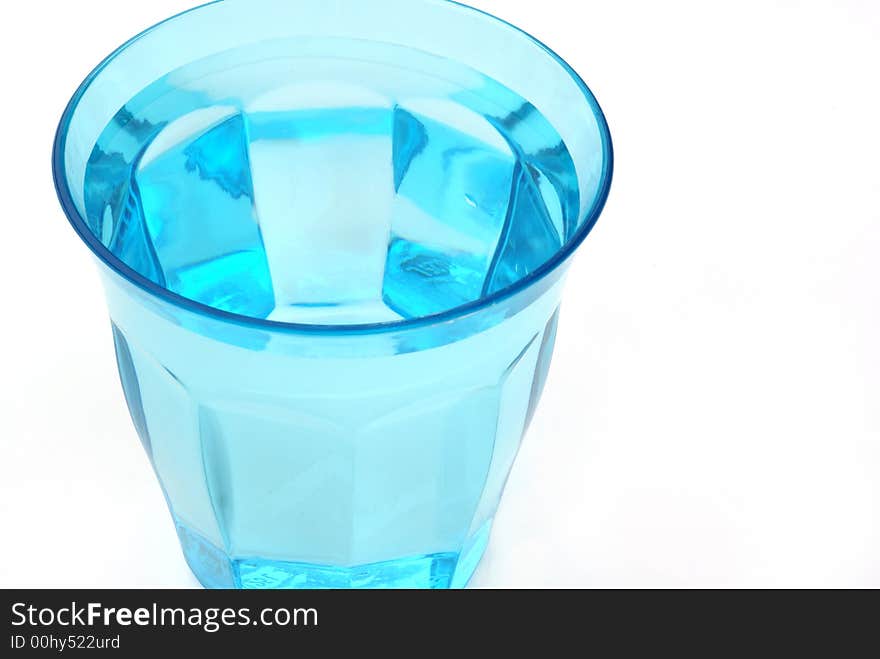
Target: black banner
x=128, y=623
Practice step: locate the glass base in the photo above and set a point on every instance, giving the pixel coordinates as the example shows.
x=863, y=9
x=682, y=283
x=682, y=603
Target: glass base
x=214, y=569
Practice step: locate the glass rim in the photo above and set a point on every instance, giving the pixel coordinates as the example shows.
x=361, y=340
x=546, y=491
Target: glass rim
x=129, y=274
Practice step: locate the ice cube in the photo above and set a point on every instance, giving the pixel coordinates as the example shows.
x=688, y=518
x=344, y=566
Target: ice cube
x=530, y=237
x=453, y=176
x=323, y=186
x=200, y=172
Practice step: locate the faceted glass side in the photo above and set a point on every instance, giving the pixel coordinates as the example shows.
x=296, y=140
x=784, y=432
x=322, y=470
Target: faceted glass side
x=392, y=489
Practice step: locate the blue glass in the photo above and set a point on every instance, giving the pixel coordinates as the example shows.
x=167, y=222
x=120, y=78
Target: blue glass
x=333, y=237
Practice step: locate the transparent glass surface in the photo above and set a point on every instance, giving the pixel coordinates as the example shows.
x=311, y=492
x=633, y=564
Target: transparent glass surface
x=333, y=237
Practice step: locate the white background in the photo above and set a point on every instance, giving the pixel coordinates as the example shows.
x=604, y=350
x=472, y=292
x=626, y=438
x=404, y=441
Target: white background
x=712, y=413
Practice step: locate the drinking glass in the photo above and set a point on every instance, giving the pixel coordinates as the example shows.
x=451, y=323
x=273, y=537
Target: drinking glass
x=333, y=236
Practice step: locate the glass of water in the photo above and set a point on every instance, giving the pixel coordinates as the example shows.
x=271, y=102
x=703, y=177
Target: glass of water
x=333, y=236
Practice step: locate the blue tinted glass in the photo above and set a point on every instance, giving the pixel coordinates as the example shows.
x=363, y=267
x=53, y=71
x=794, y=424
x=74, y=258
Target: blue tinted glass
x=333, y=243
